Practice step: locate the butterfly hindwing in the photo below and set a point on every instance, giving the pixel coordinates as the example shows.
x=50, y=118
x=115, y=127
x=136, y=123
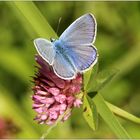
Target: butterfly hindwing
x=45, y=49
x=82, y=56
x=63, y=68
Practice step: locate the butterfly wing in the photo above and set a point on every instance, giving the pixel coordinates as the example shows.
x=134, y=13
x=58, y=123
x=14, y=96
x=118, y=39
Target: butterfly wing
x=45, y=49
x=78, y=39
x=83, y=56
x=81, y=31
x=63, y=68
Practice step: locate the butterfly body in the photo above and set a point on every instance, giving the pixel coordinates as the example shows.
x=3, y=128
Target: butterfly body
x=59, y=47
x=73, y=52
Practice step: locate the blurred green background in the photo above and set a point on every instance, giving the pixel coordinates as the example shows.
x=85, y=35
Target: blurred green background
x=118, y=43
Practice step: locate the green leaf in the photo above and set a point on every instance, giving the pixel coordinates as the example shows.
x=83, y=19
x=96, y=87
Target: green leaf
x=89, y=76
x=122, y=113
x=90, y=113
x=101, y=80
x=109, y=117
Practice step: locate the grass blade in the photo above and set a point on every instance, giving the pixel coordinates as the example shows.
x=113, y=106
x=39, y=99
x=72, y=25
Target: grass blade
x=35, y=19
x=118, y=111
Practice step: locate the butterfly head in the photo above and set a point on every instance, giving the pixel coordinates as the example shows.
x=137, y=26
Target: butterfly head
x=52, y=39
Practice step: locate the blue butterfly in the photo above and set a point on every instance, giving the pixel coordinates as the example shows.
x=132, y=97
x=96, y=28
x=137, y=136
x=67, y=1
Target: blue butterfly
x=73, y=52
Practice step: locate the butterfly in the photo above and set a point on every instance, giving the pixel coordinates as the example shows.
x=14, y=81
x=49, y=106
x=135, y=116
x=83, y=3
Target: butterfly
x=73, y=52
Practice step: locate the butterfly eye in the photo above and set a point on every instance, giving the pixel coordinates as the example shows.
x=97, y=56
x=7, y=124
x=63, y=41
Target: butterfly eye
x=52, y=39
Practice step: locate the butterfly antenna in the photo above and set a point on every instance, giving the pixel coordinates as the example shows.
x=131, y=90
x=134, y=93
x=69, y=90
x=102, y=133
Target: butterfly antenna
x=58, y=25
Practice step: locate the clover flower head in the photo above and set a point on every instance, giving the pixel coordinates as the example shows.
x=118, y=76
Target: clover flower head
x=53, y=95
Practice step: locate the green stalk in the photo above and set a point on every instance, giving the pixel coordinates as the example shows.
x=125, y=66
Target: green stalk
x=109, y=117
x=122, y=113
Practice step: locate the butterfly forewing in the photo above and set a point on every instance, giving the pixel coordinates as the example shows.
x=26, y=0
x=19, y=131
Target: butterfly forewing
x=81, y=31
x=78, y=39
x=45, y=49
